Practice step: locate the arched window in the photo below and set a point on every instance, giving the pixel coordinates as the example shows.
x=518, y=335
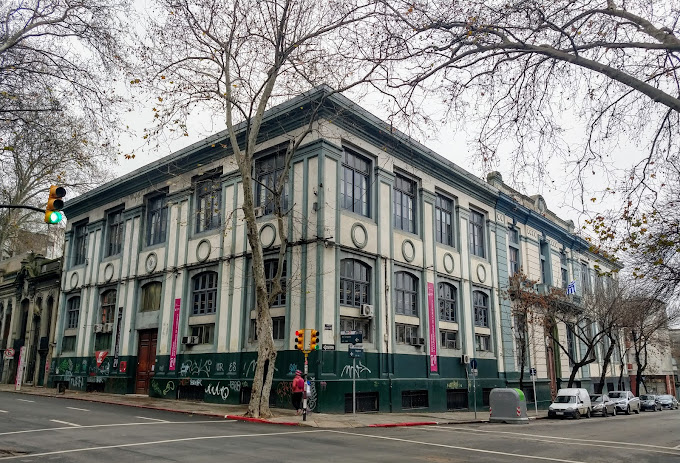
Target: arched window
x=480, y=302
x=270, y=268
x=447, y=302
x=108, y=306
x=151, y=296
x=204, y=293
x=72, y=312
x=406, y=293
x=355, y=282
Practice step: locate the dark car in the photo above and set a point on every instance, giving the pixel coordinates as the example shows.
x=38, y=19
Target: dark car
x=668, y=401
x=649, y=402
x=602, y=405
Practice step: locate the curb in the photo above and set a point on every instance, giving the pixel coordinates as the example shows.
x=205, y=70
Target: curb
x=407, y=423
x=260, y=420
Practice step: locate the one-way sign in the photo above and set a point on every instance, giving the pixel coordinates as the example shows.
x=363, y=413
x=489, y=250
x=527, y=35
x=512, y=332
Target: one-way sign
x=351, y=337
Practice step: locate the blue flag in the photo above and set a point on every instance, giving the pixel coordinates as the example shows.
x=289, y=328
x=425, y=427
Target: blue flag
x=571, y=288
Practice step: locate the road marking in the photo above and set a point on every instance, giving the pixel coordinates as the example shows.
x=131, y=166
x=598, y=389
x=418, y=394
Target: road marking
x=3, y=411
x=80, y=409
x=26, y=400
x=433, y=444
x=66, y=422
x=168, y=441
x=542, y=436
x=151, y=419
x=112, y=425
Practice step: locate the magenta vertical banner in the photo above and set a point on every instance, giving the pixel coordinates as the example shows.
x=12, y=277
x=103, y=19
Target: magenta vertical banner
x=433, y=327
x=175, y=332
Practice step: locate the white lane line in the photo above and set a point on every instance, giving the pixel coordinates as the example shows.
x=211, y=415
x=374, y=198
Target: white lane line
x=542, y=436
x=79, y=409
x=475, y=450
x=167, y=441
x=151, y=419
x=66, y=423
x=26, y=400
x=3, y=411
x=111, y=426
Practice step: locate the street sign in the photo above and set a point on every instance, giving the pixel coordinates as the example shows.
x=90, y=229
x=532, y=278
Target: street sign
x=532, y=371
x=474, y=372
x=473, y=364
x=328, y=347
x=356, y=352
x=9, y=353
x=351, y=337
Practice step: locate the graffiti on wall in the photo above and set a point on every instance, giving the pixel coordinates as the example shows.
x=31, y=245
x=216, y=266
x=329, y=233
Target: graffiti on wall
x=217, y=390
x=351, y=372
x=195, y=368
x=249, y=368
x=156, y=387
x=76, y=382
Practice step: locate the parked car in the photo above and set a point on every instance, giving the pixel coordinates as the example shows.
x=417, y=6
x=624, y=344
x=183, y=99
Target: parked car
x=626, y=402
x=602, y=405
x=649, y=402
x=669, y=402
x=571, y=402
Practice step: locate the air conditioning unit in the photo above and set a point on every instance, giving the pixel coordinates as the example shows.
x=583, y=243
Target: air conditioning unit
x=417, y=341
x=259, y=211
x=465, y=359
x=190, y=340
x=367, y=310
x=421, y=341
x=107, y=327
x=98, y=328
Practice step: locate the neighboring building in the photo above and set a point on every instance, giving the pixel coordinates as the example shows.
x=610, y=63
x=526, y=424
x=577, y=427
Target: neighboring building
x=387, y=237
x=674, y=335
x=29, y=292
x=659, y=376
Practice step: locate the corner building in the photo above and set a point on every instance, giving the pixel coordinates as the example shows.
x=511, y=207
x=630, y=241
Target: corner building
x=386, y=236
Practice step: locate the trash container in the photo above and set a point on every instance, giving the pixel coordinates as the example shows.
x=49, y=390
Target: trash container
x=507, y=405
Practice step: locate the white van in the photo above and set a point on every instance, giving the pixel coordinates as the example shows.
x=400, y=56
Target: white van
x=573, y=402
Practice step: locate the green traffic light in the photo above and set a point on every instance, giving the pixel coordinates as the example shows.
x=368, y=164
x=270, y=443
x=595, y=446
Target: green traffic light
x=54, y=217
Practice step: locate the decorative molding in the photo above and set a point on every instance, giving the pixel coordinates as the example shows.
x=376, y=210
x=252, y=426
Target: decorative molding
x=108, y=272
x=358, y=240
x=449, y=262
x=203, y=249
x=267, y=235
x=73, y=280
x=133, y=212
x=151, y=262
x=481, y=273
x=408, y=250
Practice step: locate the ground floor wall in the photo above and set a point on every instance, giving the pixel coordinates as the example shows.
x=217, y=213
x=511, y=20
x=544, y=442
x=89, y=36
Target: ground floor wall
x=384, y=382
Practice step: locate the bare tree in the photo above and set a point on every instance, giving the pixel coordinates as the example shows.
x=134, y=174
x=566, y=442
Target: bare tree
x=236, y=59
x=514, y=69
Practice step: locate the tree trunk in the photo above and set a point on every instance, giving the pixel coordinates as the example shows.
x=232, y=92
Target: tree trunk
x=619, y=386
x=605, y=365
x=574, y=370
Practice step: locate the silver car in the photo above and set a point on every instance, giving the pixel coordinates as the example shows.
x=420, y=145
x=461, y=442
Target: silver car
x=625, y=401
x=602, y=405
x=668, y=401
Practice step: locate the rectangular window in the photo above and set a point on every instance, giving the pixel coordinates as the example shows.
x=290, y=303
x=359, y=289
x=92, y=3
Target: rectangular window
x=443, y=216
x=205, y=293
x=514, y=260
x=205, y=333
x=404, y=203
x=480, y=301
x=79, y=243
x=483, y=342
x=545, y=262
x=414, y=399
x=449, y=339
x=270, y=268
x=151, y=296
x=571, y=344
x=477, y=234
x=102, y=341
x=114, y=243
x=209, y=204
x=585, y=278
x=362, y=325
x=406, y=294
x=513, y=233
x=354, y=184
x=68, y=344
x=269, y=173
x=278, y=329
x=565, y=278
x=406, y=333
x=72, y=312
x=156, y=220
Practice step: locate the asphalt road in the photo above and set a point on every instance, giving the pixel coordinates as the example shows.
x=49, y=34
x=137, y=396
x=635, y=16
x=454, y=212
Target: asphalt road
x=39, y=429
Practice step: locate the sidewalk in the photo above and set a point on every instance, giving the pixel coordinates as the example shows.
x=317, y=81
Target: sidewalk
x=281, y=416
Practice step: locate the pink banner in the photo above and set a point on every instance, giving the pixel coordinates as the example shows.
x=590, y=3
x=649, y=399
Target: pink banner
x=175, y=332
x=433, y=327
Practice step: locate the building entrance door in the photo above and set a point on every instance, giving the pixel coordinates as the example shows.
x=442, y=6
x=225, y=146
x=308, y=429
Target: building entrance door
x=146, y=360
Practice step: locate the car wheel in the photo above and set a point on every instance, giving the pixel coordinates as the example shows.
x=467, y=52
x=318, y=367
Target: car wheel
x=577, y=415
x=637, y=411
x=614, y=412
x=628, y=410
x=605, y=413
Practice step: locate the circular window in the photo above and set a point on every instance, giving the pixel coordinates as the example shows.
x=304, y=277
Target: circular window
x=108, y=272
x=481, y=273
x=151, y=261
x=267, y=235
x=74, y=280
x=203, y=250
x=408, y=250
x=359, y=235
x=449, y=263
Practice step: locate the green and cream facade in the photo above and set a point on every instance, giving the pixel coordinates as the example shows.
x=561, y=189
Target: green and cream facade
x=172, y=235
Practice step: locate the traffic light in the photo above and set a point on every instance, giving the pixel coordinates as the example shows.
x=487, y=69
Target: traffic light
x=299, y=339
x=314, y=340
x=55, y=204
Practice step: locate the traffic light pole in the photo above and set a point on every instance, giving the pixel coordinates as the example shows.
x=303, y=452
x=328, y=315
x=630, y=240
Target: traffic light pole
x=16, y=206
x=304, y=390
